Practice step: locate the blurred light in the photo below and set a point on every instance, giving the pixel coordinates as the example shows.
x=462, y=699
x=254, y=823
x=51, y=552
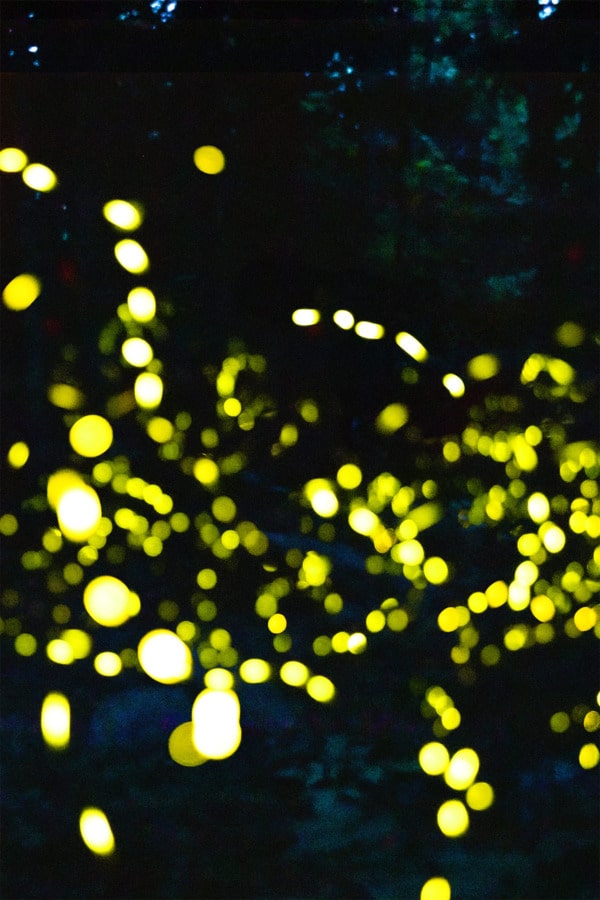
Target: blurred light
x=306, y=317
x=542, y=608
x=108, y=601
x=357, y=643
x=391, y=418
x=9, y=524
x=164, y=656
x=362, y=520
x=255, y=671
x=343, y=319
x=216, y=718
x=160, y=429
x=309, y=411
x=462, y=769
x=56, y=721
x=349, y=476
x=12, y=159
x=435, y=570
x=411, y=346
x=91, y=436
x=209, y=159
x=96, y=831
x=436, y=889
x=206, y=471
x=589, y=756
x=570, y=334
x=375, y=621
x=141, y=304
x=65, y=396
x=21, y=292
x=108, y=664
x=585, y=619
x=59, y=652
x=137, y=352
x=434, y=758
x=182, y=749
x=39, y=177
x=451, y=718
x=371, y=331
x=484, y=366
x=232, y=407
x=124, y=215
x=294, y=673
x=324, y=502
x=131, y=256
x=79, y=512
x=18, y=455
x=219, y=679
x=320, y=688
x=79, y=641
x=553, y=537
x=25, y=644
x=148, y=390
x=560, y=722
x=397, y=620
x=453, y=818
x=480, y=796
x=497, y=593
x=277, y=623
x=538, y=507
x=454, y=385
x=224, y=509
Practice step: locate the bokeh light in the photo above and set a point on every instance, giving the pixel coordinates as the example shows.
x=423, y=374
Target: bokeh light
x=165, y=657
x=56, y=721
x=12, y=159
x=96, y=831
x=453, y=818
x=141, y=303
x=78, y=512
x=39, y=177
x=108, y=601
x=216, y=723
x=123, y=214
x=209, y=159
x=21, y=292
x=436, y=889
x=91, y=436
x=131, y=256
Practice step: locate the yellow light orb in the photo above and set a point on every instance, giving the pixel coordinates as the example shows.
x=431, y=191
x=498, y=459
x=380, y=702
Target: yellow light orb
x=137, y=352
x=60, y=482
x=108, y=664
x=108, y=601
x=435, y=570
x=453, y=384
x=96, y=831
x=131, y=256
x=343, y=319
x=391, y=418
x=164, y=656
x=91, y=436
x=370, y=331
x=434, y=758
x=362, y=520
x=411, y=346
x=320, y=688
x=305, y=317
x=56, y=721
x=79, y=512
x=141, y=303
x=12, y=159
x=453, y=818
x=255, y=671
x=216, y=720
x=349, y=476
x=589, y=756
x=294, y=673
x=462, y=769
x=436, y=889
x=124, y=215
x=209, y=159
x=39, y=177
x=325, y=503
x=182, y=749
x=18, y=455
x=21, y=292
x=480, y=795
x=148, y=390
x=206, y=471
x=484, y=366
x=570, y=334
x=538, y=507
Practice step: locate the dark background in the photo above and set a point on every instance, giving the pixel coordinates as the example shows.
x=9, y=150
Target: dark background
x=320, y=801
